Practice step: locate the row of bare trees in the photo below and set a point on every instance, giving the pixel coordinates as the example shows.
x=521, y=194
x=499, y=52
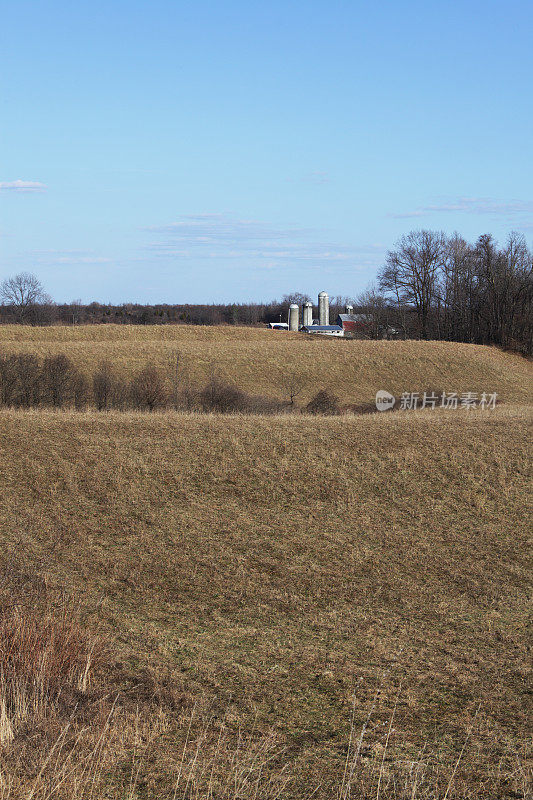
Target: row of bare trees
x=440, y=287
x=55, y=382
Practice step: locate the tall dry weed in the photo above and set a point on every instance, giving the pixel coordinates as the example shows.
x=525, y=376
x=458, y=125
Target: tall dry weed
x=46, y=658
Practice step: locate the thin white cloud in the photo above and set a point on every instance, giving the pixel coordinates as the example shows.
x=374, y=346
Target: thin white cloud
x=22, y=186
x=408, y=215
x=71, y=257
x=83, y=260
x=203, y=228
x=316, y=176
x=222, y=236
x=510, y=210
x=484, y=205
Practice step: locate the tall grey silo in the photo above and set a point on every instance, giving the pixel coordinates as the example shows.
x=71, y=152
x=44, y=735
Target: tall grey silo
x=308, y=313
x=294, y=313
x=323, y=308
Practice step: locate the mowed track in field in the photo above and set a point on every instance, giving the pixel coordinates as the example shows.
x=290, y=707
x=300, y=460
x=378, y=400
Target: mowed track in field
x=258, y=361
x=279, y=571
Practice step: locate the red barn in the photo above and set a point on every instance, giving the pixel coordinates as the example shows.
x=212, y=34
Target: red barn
x=354, y=323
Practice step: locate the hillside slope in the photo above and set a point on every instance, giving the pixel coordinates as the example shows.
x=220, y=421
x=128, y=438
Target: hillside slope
x=259, y=360
x=282, y=570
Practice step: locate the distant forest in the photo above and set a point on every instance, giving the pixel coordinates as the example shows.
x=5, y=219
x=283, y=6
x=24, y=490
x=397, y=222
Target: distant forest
x=431, y=287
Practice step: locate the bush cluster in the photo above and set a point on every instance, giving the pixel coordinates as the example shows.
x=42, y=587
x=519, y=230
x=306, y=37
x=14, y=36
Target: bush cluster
x=26, y=382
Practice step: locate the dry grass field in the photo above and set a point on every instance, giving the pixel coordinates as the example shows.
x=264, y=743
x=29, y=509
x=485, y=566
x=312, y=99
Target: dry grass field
x=258, y=361
x=286, y=606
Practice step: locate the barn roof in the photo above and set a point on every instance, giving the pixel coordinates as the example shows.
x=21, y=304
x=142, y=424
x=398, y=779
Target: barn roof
x=352, y=317
x=322, y=327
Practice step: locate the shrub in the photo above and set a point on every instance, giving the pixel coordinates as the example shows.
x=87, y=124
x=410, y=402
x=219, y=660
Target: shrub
x=147, y=390
x=26, y=371
x=323, y=403
x=222, y=398
x=61, y=382
x=80, y=391
x=7, y=381
x=105, y=387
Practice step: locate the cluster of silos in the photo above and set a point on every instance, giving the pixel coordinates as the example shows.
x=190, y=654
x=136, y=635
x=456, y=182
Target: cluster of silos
x=323, y=313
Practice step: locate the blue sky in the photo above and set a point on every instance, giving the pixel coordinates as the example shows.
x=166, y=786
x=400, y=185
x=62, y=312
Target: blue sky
x=216, y=151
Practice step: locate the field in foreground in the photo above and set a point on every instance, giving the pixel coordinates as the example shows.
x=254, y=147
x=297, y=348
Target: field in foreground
x=266, y=586
x=259, y=361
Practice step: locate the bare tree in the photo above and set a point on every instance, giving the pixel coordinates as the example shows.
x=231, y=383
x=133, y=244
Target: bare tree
x=372, y=306
x=505, y=281
x=295, y=297
x=23, y=292
x=76, y=307
x=456, y=290
x=292, y=384
x=411, y=273
x=519, y=262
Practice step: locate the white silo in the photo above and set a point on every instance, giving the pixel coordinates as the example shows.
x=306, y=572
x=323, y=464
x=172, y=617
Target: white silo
x=323, y=308
x=294, y=314
x=308, y=313
x=349, y=309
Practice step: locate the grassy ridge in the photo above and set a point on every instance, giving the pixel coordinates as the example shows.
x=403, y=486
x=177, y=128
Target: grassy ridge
x=278, y=567
x=258, y=360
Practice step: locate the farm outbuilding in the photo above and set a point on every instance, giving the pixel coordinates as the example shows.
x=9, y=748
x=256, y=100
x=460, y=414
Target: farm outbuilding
x=324, y=330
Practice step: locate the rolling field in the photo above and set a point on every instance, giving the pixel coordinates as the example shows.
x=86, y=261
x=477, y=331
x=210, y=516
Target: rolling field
x=293, y=607
x=258, y=361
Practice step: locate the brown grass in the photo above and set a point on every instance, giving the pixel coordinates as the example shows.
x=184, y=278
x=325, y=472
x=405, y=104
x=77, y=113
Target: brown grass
x=334, y=596
x=258, y=361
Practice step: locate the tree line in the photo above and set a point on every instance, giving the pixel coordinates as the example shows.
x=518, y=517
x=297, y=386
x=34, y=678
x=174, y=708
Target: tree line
x=39, y=309
x=431, y=286
x=440, y=287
